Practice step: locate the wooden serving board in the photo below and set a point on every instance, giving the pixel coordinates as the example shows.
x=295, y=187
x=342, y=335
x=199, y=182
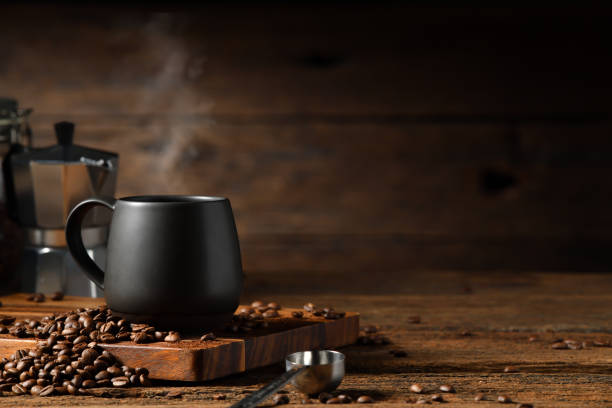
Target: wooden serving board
x=192, y=359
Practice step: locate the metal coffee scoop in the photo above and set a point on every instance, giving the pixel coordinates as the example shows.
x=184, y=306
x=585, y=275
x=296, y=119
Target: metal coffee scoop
x=311, y=372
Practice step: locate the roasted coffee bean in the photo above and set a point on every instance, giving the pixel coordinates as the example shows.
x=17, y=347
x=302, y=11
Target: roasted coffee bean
x=114, y=371
x=257, y=303
x=88, y=384
x=297, y=314
x=172, y=337
x=324, y=396
x=559, y=345
x=144, y=380
x=334, y=400
x=280, y=399
x=437, y=398
x=52, y=339
x=81, y=339
x=510, y=369
x=141, y=371
x=274, y=306
x=120, y=381
x=208, y=337
x=447, y=388
x=141, y=337
x=19, y=389
x=46, y=391
x=422, y=401
x=532, y=339
x=89, y=355
x=345, y=398
x=57, y=296
x=270, y=313
x=104, y=383
x=416, y=388
x=60, y=390
x=36, y=297
x=36, y=389
x=71, y=389
x=77, y=380
x=365, y=399
x=70, y=331
x=29, y=383
x=134, y=380
x=219, y=397
x=504, y=399
x=6, y=320
x=309, y=307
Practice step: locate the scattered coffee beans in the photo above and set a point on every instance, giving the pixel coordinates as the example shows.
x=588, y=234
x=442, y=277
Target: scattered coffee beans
x=479, y=397
x=416, y=388
x=172, y=337
x=208, y=337
x=297, y=314
x=345, y=398
x=268, y=314
x=280, y=399
x=365, y=399
x=422, y=401
x=560, y=345
x=36, y=297
x=447, y=388
x=369, y=329
x=504, y=399
x=437, y=398
x=334, y=400
x=57, y=296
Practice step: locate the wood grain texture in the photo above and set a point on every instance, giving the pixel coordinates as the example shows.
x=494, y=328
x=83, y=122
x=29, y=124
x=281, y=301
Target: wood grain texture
x=367, y=129
x=193, y=360
x=500, y=310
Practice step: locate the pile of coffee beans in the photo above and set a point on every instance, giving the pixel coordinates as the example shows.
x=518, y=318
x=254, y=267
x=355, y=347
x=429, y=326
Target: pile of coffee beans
x=325, y=312
x=61, y=366
x=86, y=324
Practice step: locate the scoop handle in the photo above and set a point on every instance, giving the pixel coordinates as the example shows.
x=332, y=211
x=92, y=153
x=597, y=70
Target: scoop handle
x=263, y=393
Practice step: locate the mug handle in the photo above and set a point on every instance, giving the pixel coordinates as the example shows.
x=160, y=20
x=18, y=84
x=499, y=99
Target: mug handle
x=74, y=238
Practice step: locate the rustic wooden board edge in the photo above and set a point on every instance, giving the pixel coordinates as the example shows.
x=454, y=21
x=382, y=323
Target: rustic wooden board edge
x=192, y=360
x=323, y=334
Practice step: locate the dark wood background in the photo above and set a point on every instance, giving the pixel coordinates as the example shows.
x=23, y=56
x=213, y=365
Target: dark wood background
x=363, y=137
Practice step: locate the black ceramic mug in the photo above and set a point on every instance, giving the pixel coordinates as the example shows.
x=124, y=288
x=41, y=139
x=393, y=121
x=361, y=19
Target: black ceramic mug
x=173, y=261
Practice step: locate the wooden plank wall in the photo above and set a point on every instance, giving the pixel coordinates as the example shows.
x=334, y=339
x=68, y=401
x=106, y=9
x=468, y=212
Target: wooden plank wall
x=348, y=137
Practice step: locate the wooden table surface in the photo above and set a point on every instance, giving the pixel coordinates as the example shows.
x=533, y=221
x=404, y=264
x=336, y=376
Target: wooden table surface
x=472, y=327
